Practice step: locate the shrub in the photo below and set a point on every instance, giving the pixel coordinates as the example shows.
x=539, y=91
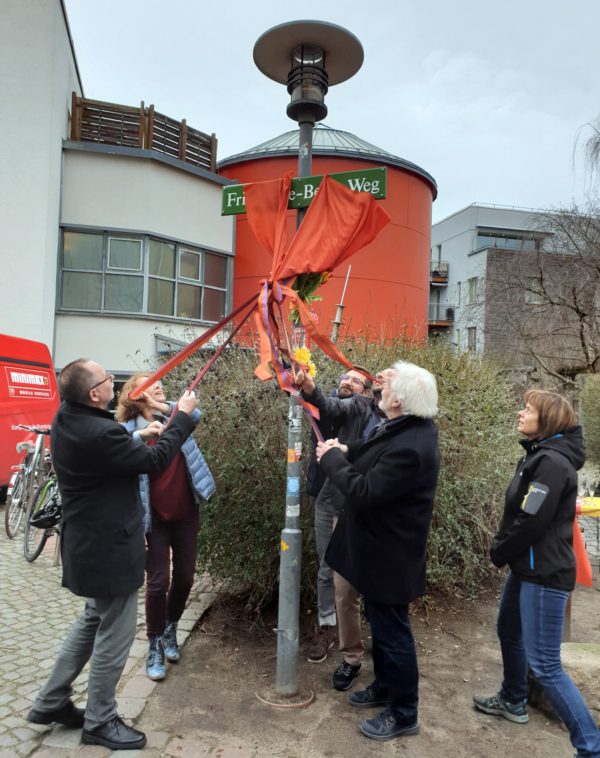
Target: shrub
x=243, y=435
x=590, y=417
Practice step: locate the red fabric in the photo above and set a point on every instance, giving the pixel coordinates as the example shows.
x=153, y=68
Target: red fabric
x=584, y=569
x=171, y=496
x=337, y=224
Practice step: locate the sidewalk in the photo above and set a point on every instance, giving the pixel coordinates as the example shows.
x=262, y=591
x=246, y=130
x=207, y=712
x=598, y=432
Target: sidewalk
x=36, y=613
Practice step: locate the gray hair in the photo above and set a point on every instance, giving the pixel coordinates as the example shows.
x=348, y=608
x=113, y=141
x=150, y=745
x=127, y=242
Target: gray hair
x=74, y=381
x=416, y=389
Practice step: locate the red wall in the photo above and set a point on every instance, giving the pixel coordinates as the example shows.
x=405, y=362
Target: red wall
x=388, y=291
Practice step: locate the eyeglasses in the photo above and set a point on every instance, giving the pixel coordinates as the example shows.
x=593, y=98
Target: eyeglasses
x=108, y=377
x=352, y=379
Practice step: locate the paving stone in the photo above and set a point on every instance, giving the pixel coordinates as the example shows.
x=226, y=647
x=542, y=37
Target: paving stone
x=156, y=739
x=60, y=737
x=130, y=707
x=36, y=615
x=138, y=686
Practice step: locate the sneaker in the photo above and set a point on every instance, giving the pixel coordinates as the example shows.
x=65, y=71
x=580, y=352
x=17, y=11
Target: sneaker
x=169, y=642
x=496, y=705
x=325, y=638
x=155, y=663
x=386, y=726
x=367, y=698
x=344, y=675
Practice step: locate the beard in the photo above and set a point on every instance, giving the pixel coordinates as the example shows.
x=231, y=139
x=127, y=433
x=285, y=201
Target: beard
x=345, y=392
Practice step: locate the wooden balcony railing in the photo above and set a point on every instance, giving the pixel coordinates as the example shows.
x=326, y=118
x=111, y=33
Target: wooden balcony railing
x=113, y=124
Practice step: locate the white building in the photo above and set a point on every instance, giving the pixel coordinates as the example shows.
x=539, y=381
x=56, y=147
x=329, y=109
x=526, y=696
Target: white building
x=110, y=225
x=463, y=246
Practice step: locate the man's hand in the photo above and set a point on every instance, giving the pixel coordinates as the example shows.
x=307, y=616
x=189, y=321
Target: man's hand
x=154, y=429
x=188, y=402
x=304, y=381
x=324, y=447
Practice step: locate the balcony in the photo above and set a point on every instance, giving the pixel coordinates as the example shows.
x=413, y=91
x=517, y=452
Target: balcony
x=113, y=124
x=438, y=273
x=441, y=315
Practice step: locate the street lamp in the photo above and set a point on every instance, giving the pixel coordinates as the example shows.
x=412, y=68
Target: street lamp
x=308, y=57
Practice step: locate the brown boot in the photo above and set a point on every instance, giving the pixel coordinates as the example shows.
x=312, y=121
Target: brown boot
x=325, y=638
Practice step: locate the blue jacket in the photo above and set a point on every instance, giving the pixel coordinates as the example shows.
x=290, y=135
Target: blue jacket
x=201, y=480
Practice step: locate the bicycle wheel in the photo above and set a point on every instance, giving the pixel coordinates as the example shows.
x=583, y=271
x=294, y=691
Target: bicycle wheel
x=35, y=538
x=15, y=507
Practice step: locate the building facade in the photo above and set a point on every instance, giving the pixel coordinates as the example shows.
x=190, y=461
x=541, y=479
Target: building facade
x=110, y=215
x=387, y=291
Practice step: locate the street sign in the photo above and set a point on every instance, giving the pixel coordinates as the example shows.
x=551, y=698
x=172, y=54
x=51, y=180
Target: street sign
x=303, y=191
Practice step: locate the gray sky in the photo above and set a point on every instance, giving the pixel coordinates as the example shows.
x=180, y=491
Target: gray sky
x=487, y=97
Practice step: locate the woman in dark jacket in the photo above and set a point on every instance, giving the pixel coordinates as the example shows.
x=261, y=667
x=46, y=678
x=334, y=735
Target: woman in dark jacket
x=535, y=539
x=170, y=500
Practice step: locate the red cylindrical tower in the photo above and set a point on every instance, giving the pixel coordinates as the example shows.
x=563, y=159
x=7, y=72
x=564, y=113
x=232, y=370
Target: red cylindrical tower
x=388, y=290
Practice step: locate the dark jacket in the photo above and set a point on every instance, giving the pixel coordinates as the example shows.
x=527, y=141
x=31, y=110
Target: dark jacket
x=351, y=416
x=379, y=544
x=315, y=478
x=97, y=464
x=535, y=537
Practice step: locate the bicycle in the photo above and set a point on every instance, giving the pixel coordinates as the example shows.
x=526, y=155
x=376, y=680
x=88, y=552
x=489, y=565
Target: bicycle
x=43, y=520
x=27, y=477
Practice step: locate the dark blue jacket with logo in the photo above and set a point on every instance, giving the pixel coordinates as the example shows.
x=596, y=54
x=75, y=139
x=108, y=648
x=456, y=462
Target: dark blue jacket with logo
x=536, y=534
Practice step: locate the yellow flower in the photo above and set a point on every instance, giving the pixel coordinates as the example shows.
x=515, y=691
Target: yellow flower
x=312, y=369
x=302, y=355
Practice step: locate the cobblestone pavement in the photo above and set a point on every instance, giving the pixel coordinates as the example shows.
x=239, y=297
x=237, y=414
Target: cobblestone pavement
x=36, y=613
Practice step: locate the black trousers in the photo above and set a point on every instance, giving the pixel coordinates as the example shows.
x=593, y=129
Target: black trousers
x=394, y=659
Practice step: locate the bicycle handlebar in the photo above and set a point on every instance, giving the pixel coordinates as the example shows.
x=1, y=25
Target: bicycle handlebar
x=33, y=429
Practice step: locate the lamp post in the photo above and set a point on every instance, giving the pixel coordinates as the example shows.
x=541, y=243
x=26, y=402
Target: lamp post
x=308, y=57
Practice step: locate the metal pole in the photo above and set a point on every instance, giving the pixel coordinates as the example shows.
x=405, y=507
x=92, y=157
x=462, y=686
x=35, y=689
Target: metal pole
x=288, y=622
x=337, y=321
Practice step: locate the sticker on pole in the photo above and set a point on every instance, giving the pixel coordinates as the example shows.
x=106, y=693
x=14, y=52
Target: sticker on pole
x=293, y=485
x=292, y=511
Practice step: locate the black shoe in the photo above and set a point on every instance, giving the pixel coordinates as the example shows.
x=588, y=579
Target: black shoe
x=115, y=734
x=68, y=716
x=367, y=698
x=344, y=675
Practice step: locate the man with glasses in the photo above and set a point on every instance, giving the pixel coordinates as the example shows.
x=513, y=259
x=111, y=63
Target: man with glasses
x=354, y=412
x=102, y=546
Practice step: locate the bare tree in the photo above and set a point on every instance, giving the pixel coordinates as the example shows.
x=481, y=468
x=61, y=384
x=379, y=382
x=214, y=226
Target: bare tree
x=543, y=305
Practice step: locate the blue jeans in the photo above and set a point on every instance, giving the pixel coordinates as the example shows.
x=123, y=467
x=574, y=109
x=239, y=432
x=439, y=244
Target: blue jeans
x=530, y=626
x=394, y=659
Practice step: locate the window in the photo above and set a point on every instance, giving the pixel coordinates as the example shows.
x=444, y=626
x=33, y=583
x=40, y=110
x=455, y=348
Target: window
x=533, y=290
x=506, y=242
x=457, y=339
x=107, y=273
x=472, y=338
x=458, y=294
x=471, y=290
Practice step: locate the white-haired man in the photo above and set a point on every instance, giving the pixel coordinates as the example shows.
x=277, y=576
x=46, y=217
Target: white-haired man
x=379, y=544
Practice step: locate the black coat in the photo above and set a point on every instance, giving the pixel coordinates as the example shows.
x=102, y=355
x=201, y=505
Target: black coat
x=349, y=417
x=380, y=542
x=536, y=534
x=97, y=464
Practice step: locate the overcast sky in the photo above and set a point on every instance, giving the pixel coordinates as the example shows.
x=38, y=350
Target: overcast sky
x=487, y=97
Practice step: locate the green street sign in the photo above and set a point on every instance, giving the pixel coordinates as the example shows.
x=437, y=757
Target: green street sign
x=303, y=190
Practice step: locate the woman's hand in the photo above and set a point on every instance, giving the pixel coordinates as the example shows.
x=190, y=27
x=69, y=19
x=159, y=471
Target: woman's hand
x=155, y=405
x=324, y=447
x=154, y=429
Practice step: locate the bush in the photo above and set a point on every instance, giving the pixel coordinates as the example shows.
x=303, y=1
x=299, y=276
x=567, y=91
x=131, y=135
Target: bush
x=590, y=417
x=243, y=435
